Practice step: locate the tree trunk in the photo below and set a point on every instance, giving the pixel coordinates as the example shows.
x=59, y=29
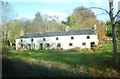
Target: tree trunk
x=10, y=43
x=115, y=54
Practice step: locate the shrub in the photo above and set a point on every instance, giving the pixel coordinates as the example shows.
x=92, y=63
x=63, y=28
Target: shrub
x=85, y=49
x=76, y=49
x=5, y=50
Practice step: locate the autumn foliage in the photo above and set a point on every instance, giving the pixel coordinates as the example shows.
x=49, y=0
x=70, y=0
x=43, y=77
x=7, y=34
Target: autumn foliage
x=101, y=31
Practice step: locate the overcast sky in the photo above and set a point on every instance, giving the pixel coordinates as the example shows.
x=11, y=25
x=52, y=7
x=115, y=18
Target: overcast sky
x=60, y=8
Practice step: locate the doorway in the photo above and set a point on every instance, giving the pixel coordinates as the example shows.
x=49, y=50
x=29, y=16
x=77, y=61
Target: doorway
x=92, y=44
x=41, y=46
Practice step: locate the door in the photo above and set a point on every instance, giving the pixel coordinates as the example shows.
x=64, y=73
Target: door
x=41, y=46
x=92, y=44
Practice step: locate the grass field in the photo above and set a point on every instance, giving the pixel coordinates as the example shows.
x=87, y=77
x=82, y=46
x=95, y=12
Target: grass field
x=60, y=63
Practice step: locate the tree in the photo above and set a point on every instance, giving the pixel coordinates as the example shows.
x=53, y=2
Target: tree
x=6, y=11
x=25, y=26
x=14, y=32
x=101, y=30
x=38, y=17
x=44, y=24
x=108, y=29
x=5, y=15
x=118, y=35
x=0, y=39
x=53, y=25
x=113, y=26
x=37, y=25
x=81, y=18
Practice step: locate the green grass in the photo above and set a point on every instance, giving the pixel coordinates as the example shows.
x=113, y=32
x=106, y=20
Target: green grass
x=84, y=63
x=107, y=46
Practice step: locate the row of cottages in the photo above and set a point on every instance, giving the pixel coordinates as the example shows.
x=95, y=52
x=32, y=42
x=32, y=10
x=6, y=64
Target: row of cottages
x=84, y=38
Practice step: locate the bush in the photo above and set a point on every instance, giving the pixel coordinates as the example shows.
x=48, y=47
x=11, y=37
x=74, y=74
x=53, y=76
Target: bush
x=5, y=50
x=85, y=49
x=76, y=49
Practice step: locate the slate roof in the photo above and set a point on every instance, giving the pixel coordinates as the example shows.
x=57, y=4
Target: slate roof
x=61, y=33
x=71, y=32
x=30, y=35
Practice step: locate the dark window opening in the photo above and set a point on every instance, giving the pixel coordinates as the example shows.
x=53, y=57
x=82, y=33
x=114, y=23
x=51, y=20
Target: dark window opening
x=47, y=44
x=21, y=45
x=92, y=44
x=70, y=44
x=41, y=46
x=31, y=40
x=43, y=39
x=29, y=46
x=59, y=45
x=84, y=44
x=88, y=37
x=72, y=37
x=56, y=38
x=21, y=40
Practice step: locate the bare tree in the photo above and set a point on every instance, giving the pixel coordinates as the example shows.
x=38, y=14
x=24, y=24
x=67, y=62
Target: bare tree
x=5, y=8
x=113, y=25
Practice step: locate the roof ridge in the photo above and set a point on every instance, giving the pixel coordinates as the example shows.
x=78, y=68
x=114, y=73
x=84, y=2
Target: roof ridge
x=84, y=31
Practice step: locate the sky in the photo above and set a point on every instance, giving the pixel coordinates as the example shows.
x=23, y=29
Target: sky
x=60, y=8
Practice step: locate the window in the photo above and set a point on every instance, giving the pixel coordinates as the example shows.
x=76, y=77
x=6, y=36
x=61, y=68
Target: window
x=29, y=45
x=47, y=45
x=72, y=38
x=83, y=43
x=43, y=39
x=21, y=45
x=31, y=40
x=88, y=37
x=56, y=38
x=92, y=44
x=21, y=40
x=59, y=45
x=70, y=44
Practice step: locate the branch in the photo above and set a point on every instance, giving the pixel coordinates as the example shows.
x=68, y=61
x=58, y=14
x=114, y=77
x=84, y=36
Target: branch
x=116, y=14
x=99, y=8
x=100, y=14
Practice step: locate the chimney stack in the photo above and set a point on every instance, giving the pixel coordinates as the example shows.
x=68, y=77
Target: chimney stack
x=95, y=27
x=66, y=28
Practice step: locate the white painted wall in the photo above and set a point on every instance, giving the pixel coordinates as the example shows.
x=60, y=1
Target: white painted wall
x=64, y=40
